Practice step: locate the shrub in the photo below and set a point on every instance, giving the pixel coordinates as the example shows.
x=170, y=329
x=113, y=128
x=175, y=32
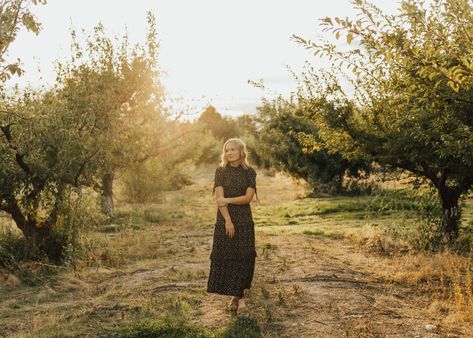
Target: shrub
x=146, y=181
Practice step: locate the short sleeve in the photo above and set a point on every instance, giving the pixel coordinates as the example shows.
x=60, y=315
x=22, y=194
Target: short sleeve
x=251, y=178
x=218, y=178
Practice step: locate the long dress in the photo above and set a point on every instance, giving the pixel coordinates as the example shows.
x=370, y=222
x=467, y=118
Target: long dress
x=233, y=259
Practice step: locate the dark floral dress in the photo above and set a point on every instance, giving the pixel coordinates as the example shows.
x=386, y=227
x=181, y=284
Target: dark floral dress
x=233, y=259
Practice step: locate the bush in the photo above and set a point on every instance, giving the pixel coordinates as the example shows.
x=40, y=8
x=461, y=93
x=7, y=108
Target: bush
x=146, y=181
x=73, y=213
x=13, y=247
x=208, y=148
x=78, y=212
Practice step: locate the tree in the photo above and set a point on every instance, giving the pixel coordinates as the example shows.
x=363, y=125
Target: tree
x=412, y=105
x=215, y=130
x=14, y=14
x=281, y=142
x=43, y=160
x=145, y=180
x=222, y=128
x=117, y=94
x=102, y=115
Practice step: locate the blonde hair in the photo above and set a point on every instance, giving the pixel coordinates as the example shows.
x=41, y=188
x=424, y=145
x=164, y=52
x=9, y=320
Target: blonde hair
x=243, y=153
x=243, y=156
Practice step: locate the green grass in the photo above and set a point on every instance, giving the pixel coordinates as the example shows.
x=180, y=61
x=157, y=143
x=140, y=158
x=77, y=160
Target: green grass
x=241, y=327
x=320, y=233
x=164, y=329
x=177, y=323
x=391, y=211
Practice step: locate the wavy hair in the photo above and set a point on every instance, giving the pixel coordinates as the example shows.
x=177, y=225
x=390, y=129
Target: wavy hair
x=243, y=153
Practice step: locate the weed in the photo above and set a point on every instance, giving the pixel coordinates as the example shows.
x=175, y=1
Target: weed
x=281, y=297
x=298, y=292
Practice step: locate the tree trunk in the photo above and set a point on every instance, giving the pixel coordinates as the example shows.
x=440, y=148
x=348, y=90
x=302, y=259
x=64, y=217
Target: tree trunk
x=107, y=194
x=451, y=214
x=38, y=236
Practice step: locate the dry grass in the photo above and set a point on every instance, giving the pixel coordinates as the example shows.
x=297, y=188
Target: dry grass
x=447, y=276
x=324, y=269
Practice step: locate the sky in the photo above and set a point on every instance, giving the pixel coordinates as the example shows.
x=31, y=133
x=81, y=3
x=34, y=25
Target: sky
x=209, y=49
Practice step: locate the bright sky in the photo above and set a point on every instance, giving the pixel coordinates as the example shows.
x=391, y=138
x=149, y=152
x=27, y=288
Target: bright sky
x=209, y=48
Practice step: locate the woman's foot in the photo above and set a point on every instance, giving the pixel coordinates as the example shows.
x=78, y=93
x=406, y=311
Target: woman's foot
x=233, y=305
x=242, y=309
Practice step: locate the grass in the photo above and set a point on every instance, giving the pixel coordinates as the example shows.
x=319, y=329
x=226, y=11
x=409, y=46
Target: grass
x=144, y=272
x=151, y=329
x=320, y=233
x=177, y=323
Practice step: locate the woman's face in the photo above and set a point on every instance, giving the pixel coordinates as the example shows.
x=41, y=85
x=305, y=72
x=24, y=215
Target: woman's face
x=232, y=152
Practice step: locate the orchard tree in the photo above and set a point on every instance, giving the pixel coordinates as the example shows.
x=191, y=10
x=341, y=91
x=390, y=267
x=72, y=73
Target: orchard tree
x=14, y=14
x=116, y=92
x=102, y=115
x=281, y=142
x=412, y=106
x=44, y=160
x=215, y=129
x=222, y=128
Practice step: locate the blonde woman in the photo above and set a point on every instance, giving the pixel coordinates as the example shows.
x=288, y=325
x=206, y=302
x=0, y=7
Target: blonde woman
x=233, y=251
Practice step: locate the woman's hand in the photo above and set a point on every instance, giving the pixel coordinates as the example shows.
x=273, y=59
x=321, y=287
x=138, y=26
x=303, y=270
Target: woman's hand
x=229, y=228
x=222, y=201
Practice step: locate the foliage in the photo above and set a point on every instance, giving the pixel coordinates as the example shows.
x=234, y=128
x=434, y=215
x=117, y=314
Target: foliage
x=116, y=95
x=168, y=168
x=146, y=181
x=150, y=329
x=13, y=247
x=175, y=327
x=208, y=149
x=14, y=14
x=222, y=128
x=283, y=123
x=176, y=324
x=41, y=161
x=103, y=114
x=215, y=130
x=79, y=213
x=412, y=78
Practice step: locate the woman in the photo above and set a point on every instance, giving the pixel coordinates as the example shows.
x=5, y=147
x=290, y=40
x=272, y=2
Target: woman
x=233, y=251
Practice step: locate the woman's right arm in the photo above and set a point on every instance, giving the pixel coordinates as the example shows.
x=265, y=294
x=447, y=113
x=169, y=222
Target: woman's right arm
x=229, y=228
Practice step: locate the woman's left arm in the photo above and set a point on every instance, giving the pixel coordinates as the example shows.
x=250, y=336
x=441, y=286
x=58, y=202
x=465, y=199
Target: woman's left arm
x=239, y=200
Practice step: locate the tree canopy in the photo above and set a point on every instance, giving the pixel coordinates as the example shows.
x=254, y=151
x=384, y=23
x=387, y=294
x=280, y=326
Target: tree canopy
x=14, y=14
x=286, y=140
x=412, y=101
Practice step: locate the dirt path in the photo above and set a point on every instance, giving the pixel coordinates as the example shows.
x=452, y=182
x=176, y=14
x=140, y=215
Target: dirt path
x=323, y=288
